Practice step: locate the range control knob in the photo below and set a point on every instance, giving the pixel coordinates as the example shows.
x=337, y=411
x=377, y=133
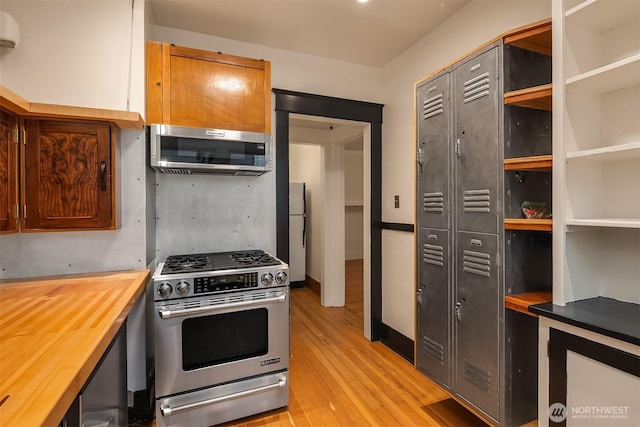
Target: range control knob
x=164, y=290
x=182, y=288
x=281, y=277
x=267, y=279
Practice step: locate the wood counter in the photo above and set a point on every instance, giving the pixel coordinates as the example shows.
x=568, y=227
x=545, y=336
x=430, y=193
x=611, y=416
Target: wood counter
x=53, y=332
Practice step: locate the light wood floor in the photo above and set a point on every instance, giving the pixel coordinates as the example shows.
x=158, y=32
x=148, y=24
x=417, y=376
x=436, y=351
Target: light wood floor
x=338, y=378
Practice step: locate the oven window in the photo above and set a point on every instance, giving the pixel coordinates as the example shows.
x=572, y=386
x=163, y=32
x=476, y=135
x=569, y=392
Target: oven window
x=222, y=338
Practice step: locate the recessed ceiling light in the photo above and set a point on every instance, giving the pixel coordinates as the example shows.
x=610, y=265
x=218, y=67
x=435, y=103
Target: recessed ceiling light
x=362, y=1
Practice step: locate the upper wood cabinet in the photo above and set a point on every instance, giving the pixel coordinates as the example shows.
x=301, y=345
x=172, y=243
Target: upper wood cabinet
x=192, y=87
x=67, y=173
x=8, y=172
x=58, y=165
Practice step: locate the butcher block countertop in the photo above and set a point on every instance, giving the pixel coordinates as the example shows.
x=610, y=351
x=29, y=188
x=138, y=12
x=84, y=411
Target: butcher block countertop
x=53, y=332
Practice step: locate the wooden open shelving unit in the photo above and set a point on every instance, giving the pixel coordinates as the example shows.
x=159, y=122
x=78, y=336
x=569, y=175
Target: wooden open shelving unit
x=538, y=98
x=533, y=163
x=532, y=37
x=521, y=302
x=528, y=224
x=536, y=38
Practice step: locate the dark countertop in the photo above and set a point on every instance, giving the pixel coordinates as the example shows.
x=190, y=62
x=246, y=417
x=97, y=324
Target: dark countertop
x=606, y=316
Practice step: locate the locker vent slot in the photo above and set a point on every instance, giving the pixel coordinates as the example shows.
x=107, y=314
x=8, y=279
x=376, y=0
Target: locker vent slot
x=433, y=349
x=477, y=263
x=432, y=106
x=433, y=254
x=433, y=202
x=476, y=88
x=477, y=201
x=477, y=375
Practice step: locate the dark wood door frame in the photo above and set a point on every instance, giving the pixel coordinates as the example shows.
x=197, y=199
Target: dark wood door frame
x=336, y=108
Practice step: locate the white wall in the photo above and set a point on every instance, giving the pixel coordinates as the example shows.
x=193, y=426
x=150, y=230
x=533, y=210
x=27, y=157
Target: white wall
x=353, y=196
x=472, y=26
x=77, y=53
x=305, y=166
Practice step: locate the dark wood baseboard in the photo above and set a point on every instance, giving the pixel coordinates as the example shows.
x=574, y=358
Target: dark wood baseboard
x=313, y=285
x=397, y=342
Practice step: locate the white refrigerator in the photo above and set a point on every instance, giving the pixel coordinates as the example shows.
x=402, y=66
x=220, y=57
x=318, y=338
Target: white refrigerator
x=297, y=233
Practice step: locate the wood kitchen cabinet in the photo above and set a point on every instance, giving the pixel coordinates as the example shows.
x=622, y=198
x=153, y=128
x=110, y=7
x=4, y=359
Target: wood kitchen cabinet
x=58, y=164
x=67, y=175
x=8, y=172
x=192, y=87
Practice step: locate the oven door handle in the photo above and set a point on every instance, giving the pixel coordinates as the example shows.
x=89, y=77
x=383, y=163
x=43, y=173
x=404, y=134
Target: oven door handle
x=167, y=410
x=168, y=314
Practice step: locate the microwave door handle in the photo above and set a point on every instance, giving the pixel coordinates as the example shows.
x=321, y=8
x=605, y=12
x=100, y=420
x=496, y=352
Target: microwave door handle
x=168, y=314
x=167, y=410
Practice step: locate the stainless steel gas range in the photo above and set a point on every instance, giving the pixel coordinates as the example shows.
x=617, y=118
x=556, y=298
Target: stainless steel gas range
x=222, y=337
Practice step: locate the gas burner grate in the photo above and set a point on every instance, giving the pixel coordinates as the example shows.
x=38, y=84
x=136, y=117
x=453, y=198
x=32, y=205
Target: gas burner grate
x=253, y=258
x=186, y=263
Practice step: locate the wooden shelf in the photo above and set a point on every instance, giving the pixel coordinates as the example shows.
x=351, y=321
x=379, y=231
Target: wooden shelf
x=605, y=222
x=630, y=151
x=609, y=78
x=536, y=37
x=538, y=98
x=20, y=106
x=521, y=302
x=599, y=16
x=525, y=224
x=533, y=163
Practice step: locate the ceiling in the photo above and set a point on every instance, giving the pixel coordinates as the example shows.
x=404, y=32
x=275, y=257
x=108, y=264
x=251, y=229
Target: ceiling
x=371, y=34
x=316, y=130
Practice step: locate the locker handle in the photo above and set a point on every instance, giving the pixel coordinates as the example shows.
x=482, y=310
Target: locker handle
x=476, y=242
x=420, y=156
x=458, y=311
x=458, y=147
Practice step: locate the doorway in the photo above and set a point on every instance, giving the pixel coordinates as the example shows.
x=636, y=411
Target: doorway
x=326, y=158
x=336, y=108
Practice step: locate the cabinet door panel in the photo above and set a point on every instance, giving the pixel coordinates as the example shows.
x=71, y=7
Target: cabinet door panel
x=476, y=97
x=434, y=305
x=477, y=320
x=8, y=172
x=206, y=93
x=434, y=165
x=68, y=175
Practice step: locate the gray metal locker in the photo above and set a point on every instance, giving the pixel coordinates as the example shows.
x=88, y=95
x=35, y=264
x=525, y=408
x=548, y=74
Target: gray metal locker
x=459, y=225
x=477, y=102
x=477, y=317
x=434, y=152
x=434, y=309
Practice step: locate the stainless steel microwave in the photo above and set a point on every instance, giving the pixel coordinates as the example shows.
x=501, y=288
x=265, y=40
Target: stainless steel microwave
x=185, y=150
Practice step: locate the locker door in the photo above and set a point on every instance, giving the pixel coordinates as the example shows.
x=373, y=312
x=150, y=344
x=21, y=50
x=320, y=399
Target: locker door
x=477, y=320
x=434, y=305
x=433, y=119
x=477, y=96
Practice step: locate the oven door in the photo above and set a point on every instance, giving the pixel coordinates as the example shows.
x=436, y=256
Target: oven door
x=205, y=341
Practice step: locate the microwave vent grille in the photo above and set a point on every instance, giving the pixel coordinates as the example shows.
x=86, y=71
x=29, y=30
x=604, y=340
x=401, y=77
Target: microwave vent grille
x=176, y=171
x=248, y=173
